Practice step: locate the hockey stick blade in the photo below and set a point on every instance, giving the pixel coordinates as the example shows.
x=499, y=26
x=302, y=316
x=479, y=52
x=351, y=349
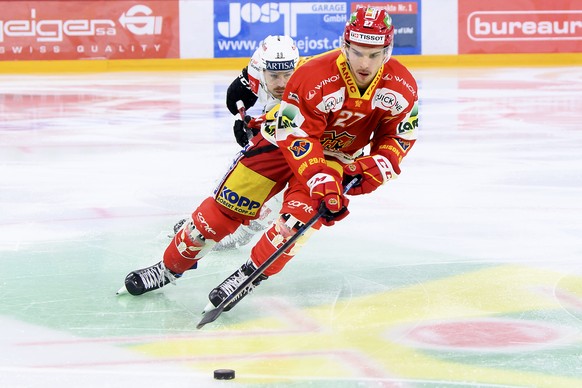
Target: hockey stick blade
x=211, y=315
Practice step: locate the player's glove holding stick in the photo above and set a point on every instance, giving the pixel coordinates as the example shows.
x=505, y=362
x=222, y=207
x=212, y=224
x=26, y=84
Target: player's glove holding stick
x=375, y=171
x=326, y=188
x=244, y=128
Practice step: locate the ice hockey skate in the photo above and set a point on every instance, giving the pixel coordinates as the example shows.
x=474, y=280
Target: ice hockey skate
x=242, y=236
x=230, y=284
x=178, y=226
x=148, y=279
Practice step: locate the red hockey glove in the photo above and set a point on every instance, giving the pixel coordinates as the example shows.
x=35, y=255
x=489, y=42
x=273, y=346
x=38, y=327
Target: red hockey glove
x=326, y=189
x=255, y=122
x=375, y=171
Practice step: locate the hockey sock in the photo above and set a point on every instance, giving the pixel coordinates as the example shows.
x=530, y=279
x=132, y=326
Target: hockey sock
x=198, y=236
x=285, y=226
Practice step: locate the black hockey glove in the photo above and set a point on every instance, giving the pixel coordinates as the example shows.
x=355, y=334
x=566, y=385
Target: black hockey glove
x=242, y=133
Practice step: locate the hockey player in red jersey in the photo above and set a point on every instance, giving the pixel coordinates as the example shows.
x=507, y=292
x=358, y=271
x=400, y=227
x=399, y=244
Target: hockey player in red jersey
x=258, y=173
x=262, y=82
x=335, y=107
x=339, y=103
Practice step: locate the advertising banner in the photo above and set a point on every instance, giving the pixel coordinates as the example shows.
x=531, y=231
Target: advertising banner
x=526, y=26
x=241, y=25
x=49, y=30
x=316, y=26
x=406, y=19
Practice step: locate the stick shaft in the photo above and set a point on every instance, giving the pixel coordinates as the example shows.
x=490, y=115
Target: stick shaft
x=214, y=313
x=241, y=109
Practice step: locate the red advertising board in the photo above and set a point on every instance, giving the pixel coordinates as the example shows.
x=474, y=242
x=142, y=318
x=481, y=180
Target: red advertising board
x=393, y=7
x=49, y=30
x=406, y=19
x=520, y=26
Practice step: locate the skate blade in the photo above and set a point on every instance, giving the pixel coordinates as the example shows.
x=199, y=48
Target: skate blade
x=208, y=307
x=122, y=291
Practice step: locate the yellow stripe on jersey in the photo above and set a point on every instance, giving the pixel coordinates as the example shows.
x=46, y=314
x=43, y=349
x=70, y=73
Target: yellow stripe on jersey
x=244, y=191
x=270, y=124
x=352, y=88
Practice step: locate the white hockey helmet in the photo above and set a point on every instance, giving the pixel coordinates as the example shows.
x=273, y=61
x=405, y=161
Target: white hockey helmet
x=278, y=53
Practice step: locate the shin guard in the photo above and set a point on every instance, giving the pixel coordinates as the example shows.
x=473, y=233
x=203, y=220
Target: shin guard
x=197, y=236
x=285, y=227
x=187, y=247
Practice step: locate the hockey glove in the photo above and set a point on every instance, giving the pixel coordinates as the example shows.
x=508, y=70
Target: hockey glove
x=326, y=189
x=242, y=133
x=375, y=171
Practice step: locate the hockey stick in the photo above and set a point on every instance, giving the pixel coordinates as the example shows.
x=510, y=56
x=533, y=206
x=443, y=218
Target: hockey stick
x=241, y=109
x=211, y=315
x=242, y=112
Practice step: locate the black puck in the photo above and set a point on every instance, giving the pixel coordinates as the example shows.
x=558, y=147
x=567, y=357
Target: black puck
x=224, y=374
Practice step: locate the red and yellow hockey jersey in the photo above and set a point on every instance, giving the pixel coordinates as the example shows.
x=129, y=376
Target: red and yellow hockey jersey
x=323, y=114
